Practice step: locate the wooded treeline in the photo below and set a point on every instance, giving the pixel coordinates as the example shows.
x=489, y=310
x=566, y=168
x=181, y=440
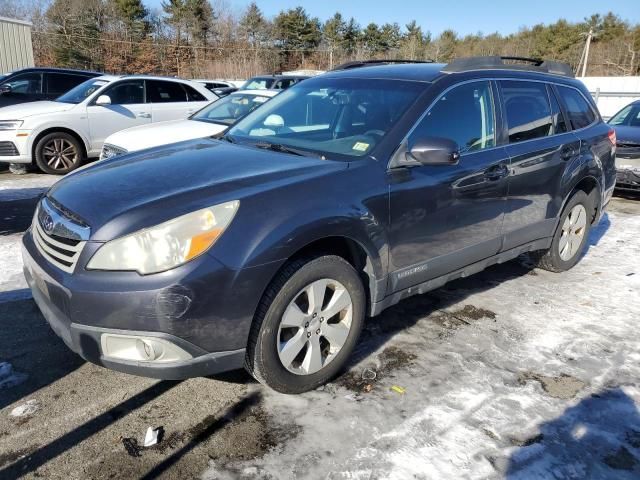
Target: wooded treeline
x=199, y=38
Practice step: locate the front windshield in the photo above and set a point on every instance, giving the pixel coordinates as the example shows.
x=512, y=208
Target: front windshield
x=330, y=117
x=230, y=109
x=258, y=83
x=81, y=92
x=629, y=115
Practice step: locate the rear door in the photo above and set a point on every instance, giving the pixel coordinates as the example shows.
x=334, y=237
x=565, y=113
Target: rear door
x=128, y=109
x=170, y=100
x=444, y=217
x=541, y=148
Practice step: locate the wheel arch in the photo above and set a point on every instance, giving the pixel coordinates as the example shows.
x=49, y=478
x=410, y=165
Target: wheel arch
x=66, y=130
x=590, y=185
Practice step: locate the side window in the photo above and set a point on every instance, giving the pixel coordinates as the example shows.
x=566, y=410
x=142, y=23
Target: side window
x=559, y=124
x=580, y=112
x=128, y=92
x=193, y=95
x=165, y=92
x=527, y=110
x=27, y=83
x=464, y=115
x=59, y=83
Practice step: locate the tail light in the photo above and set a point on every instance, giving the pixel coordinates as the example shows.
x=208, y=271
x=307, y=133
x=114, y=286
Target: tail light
x=612, y=137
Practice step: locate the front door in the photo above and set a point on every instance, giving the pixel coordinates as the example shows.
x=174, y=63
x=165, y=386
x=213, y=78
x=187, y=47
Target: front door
x=444, y=217
x=127, y=109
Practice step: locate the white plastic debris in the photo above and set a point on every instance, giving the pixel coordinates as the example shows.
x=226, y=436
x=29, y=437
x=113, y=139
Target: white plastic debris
x=28, y=408
x=151, y=437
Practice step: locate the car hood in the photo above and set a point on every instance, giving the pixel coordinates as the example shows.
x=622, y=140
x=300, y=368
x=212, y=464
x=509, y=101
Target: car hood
x=23, y=110
x=126, y=193
x=162, y=133
x=626, y=134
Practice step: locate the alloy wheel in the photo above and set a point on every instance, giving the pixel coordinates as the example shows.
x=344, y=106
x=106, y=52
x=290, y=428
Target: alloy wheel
x=315, y=326
x=573, y=230
x=60, y=154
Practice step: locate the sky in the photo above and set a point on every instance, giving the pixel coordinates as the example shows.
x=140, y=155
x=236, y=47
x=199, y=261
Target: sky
x=465, y=16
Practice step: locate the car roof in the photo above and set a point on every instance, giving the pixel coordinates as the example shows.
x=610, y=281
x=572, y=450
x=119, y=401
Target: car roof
x=265, y=92
x=430, y=72
x=54, y=69
x=111, y=78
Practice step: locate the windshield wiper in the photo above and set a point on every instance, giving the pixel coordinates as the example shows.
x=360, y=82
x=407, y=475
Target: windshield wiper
x=278, y=147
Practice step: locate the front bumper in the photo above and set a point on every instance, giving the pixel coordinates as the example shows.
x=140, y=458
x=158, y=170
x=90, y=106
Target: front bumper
x=14, y=148
x=203, y=308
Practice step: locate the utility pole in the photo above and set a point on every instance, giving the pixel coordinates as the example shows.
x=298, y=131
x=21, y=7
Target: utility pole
x=586, y=52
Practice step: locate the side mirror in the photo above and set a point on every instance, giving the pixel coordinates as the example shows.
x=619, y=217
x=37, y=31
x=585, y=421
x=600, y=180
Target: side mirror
x=103, y=100
x=434, y=151
x=5, y=89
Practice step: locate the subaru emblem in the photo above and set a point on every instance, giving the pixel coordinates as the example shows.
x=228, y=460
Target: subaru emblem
x=47, y=223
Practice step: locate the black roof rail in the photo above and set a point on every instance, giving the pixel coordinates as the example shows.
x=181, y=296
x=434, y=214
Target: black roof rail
x=369, y=63
x=495, y=62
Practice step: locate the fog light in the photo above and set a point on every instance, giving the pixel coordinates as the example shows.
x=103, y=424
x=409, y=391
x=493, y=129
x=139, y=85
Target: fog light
x=141, y=348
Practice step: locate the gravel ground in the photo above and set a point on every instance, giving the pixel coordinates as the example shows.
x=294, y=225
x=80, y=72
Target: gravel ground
x=513, y=373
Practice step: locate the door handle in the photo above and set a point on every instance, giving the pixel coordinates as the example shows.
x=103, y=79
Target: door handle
x=496, y=172
x=144, y=115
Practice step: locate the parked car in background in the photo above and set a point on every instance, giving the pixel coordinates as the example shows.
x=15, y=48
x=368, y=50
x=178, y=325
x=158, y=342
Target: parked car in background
x=33, y=84
x=627, y=126
x=336, y=199
x=274, y=82
x=213, y=119
x=224, y=91
x=59, y=135
x=213, y=84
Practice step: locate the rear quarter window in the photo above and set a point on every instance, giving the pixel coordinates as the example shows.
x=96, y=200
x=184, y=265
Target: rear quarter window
x=578, y=109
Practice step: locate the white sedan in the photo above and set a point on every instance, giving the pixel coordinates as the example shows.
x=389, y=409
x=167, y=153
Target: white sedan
x=59, y=135
x=211, y=120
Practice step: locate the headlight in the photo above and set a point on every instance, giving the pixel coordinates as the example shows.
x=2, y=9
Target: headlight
x=167, y=245
x=10, y=124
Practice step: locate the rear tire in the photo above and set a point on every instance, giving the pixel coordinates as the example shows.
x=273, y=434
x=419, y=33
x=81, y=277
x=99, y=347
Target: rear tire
x=571, y=235
x=58, y=153
x=292, y=347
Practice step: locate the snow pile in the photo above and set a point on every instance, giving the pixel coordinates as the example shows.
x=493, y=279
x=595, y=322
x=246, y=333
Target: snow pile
x=9, y=377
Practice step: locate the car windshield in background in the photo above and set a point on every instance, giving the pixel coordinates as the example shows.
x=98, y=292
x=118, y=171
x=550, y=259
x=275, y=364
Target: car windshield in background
x=230, y=109
x=629, y=115
x=329, y=117
x=82, y=91
x=258, y=83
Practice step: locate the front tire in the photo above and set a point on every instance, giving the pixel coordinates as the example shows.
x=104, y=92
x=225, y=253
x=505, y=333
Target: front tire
x=571, y=235
x=307, y=324
x=58, y=153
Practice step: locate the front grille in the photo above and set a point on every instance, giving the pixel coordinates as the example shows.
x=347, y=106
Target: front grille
x=63, y=240
x=110, y=151
x=63, y=254
x=8, y=149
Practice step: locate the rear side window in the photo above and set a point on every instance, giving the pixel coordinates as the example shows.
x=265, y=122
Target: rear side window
x=578, y=109
x=59, y=83
x=193, y=95
x=165, y=92
x=464, y=114
x=527, y=109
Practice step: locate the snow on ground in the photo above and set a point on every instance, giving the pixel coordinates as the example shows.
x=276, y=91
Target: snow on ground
x=13, y=190
x=549, y=388
x=18, y=187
